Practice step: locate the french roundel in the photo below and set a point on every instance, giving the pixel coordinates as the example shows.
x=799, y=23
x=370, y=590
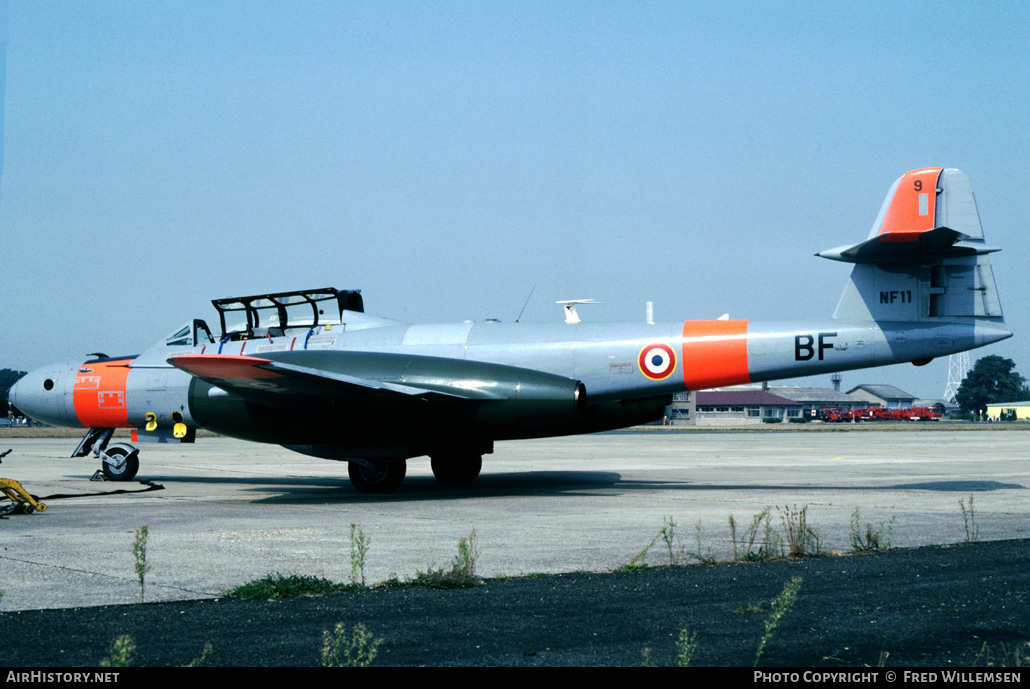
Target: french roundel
x=657, y=361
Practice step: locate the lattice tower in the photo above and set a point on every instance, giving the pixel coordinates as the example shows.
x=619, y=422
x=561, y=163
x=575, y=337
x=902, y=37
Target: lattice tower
x=958, y=367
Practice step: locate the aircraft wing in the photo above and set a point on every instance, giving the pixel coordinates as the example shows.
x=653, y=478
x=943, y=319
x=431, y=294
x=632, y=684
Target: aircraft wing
x=271, y=382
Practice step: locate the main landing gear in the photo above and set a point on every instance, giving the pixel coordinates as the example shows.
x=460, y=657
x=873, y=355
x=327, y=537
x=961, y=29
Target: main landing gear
x=376, y=477
x=453, y=469
x=458, y=469
x=118, y=462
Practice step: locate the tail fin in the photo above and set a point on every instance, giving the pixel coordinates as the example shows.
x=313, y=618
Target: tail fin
x=925, y=257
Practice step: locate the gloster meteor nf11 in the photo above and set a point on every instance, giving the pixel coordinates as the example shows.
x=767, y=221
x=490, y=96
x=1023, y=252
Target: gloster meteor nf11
x=310, y=371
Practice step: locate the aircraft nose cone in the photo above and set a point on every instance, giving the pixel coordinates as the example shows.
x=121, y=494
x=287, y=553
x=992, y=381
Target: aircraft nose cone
x=45, y=394
x=12, y=394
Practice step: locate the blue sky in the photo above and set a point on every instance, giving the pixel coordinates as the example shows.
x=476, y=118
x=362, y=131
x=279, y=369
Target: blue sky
x=447, y=157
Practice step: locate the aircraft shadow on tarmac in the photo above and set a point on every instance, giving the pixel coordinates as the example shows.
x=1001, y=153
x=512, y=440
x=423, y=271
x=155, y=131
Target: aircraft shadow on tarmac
x=941, y=486
x=416, y=488
x=303, y=490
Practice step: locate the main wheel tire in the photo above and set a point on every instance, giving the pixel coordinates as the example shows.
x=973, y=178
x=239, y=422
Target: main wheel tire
x=381, y=477
x=456, y=470
x=129, y=461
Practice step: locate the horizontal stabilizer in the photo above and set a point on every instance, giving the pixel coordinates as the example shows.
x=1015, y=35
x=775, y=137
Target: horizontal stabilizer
x=906, y=247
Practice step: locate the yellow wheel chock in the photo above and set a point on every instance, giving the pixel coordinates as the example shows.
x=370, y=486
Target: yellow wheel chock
x=13, y=490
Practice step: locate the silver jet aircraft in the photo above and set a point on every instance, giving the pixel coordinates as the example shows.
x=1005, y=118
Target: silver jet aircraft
x=310, y=371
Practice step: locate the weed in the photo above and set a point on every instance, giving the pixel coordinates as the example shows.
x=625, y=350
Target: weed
x=703, y=559
x=668, y=535
x=781, y=605
x=358, y=649
x=121, y=652
x=647, y=661
x=462, y=572
x=273, y=586
x=204, y=655
x=873, y=540
x=744, y=549
x=359, y=543
x=969, y=520
x=468, y=554
x=639, y=561
x=802, y=540
x=748, y=608
x=139, y=551
x=686, y=644
x=1001, y=657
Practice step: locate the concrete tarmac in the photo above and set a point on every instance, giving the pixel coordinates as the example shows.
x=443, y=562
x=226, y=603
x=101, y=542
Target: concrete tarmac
x=230, y=511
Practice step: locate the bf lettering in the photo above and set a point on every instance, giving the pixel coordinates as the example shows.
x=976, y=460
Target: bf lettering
x=806, y=347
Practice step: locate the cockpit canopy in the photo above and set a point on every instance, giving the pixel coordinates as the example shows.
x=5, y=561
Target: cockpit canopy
x=272, y=314
x=269, y=315
x=190, y=334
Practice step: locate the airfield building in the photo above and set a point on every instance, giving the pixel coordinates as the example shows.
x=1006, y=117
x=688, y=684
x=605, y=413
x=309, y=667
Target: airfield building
x=1010, y=411
x=883, y=395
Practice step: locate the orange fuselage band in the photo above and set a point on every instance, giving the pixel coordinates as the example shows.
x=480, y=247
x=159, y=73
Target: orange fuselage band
x=714, y=354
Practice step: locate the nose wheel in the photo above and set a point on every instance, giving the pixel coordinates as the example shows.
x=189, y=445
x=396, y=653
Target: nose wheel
x=120, y=462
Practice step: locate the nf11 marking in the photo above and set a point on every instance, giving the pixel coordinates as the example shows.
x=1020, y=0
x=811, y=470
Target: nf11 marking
x=311, y=371
x=904, y=297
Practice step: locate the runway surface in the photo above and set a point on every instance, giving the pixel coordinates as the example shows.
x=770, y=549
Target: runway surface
x=230, y=512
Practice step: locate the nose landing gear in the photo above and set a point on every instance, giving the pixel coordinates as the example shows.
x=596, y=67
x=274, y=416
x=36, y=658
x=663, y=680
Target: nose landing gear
x=118, y=462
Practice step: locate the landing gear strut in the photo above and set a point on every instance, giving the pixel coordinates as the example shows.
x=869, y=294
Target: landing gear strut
x=377, y=477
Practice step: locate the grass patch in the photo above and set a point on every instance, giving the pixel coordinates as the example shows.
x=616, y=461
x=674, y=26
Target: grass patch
x=686, y=645
x=462, y=572
x=802, y=539
x=121, y=652
x=871, y=539
x=748, y=547
x=275, y=586
x=357, y=649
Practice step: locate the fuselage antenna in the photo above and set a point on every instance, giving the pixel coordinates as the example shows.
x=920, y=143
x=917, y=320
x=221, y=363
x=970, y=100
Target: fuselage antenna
x=526, y=304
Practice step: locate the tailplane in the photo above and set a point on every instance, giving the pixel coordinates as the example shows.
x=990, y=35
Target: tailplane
x=924, y=259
